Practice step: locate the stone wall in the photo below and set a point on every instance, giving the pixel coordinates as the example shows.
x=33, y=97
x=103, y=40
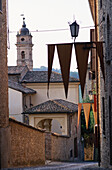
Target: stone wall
x=4, y=113
x=105, y=34
x=61, y=148
x=27, y=145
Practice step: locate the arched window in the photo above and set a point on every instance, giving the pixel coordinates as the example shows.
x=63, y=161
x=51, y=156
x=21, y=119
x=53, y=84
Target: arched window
x=23, y=54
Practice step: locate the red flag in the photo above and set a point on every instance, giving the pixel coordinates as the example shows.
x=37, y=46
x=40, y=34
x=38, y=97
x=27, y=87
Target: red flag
x=86, y=112
x=94, y=113
x=95, y=104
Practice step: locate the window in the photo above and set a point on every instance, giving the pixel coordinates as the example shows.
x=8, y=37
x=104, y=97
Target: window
x=30, y=101
x=75, y=148
x=0, y=5
x=22, y=39
x=100, y=4
x=103, y=107
x=22, y=54
x=108, y=37
x=92, y=75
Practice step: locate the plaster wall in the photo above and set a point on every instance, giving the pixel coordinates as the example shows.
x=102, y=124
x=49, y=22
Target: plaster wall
x=15, y=104
x=56, y=91
x=34, y=119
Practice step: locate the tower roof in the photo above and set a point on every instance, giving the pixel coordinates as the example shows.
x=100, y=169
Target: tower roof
x=24, y=30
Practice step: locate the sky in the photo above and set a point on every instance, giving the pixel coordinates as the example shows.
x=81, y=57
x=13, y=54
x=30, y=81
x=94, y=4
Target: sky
x=48, y=15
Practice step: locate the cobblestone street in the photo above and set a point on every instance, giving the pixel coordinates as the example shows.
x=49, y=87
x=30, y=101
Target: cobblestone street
x=63, y=166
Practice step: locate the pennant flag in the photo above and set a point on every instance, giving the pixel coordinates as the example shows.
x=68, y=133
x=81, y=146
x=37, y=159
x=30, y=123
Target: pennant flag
x=64, y=54
x=82, y=53
x=79, y=112
x=94, y=113
x=86, y=107
x=51, y=49
x=99, y=48
x=91, y=3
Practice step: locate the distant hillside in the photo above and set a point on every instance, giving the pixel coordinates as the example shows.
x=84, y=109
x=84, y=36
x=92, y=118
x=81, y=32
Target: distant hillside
x=43, y=68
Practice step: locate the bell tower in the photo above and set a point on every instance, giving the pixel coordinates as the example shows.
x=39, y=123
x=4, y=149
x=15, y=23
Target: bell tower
x=24, y=47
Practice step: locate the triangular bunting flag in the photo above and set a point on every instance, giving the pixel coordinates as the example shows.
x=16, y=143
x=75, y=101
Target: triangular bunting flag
x=82, y=53
x=95, y=114
x=86, y=107
x=79, y=112
x=64, y=54
x=51, y=49
x=99, y=47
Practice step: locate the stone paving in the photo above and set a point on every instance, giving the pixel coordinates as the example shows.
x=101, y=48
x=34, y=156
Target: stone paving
x=64, y=166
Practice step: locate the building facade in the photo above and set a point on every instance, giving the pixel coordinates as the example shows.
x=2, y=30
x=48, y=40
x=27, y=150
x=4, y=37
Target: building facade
x=4, y=113
x=104, y=28
x=105, y=34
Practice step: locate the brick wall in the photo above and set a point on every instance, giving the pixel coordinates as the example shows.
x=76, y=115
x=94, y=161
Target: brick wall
x=27, y=145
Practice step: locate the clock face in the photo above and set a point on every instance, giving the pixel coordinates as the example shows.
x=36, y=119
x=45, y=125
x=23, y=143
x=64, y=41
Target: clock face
x=22, y=39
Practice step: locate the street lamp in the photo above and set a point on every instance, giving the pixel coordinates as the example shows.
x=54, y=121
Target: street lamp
x=74, y=28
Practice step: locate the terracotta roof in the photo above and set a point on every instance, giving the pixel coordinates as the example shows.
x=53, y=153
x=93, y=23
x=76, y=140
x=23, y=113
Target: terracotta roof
x=42, y=77
x=15, y=69
x=19, y=87
x=53, y=106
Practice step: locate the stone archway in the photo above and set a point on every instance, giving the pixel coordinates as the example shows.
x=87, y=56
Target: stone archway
x=50, y=125
x=45, y=124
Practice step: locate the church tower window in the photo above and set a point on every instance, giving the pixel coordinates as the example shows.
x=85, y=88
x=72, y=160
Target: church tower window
x=22, y=39
x=22, y=54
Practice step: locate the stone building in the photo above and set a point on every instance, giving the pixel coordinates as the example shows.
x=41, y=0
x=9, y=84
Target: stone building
x=17, y=94
x=105, y=34
x=59, y=117
x=23, y=75
x=104, y=28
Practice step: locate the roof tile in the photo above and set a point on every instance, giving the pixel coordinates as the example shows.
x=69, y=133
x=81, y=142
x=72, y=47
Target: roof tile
x=53, y=106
